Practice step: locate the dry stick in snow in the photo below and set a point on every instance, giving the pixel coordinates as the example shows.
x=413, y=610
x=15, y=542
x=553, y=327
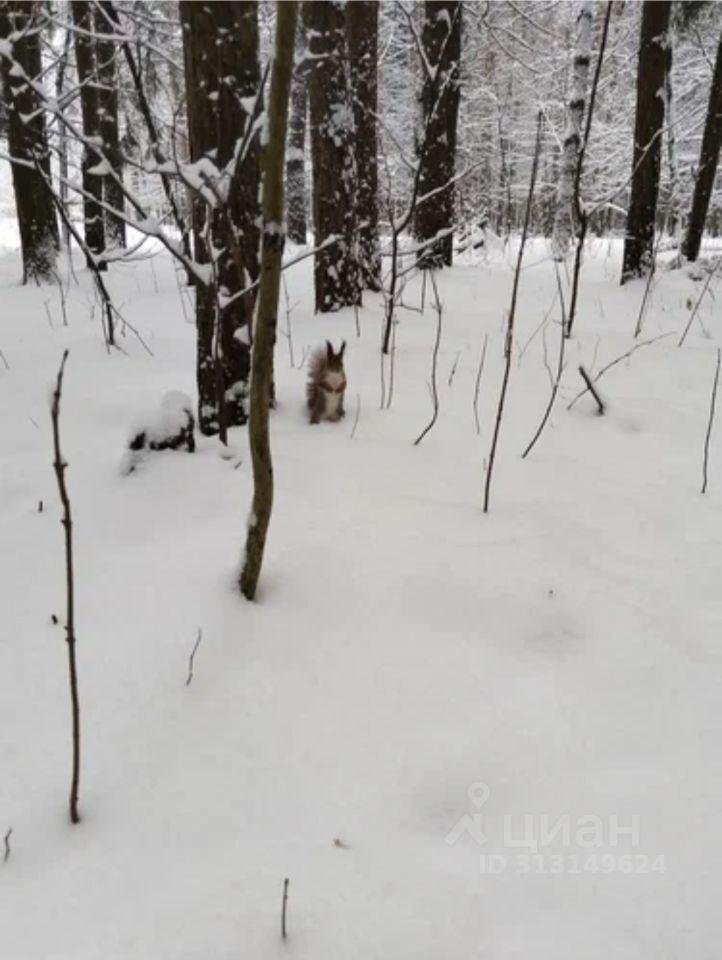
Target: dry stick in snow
x=453, y=368
x=284, y=903
x=59, y=466
x=477, y=385
x=613, y=363
x=512, y=312
x=6, y=840
x=590, y=387
x=2, y=357
x=434, y=390
x=192, y=656
x=712, y=405
x=697, y=304
x=356, y=418
x=557, y=379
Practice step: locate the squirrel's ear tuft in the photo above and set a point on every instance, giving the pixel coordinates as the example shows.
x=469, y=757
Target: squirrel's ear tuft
x=329, y=349
x=343, y=347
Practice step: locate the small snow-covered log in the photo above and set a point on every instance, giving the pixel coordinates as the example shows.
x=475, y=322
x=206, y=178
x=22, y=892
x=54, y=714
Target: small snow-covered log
x=170, y=427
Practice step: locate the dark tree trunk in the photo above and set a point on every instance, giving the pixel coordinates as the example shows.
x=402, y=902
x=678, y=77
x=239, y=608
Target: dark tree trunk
x=296, y=153
x=647, y=157
x=93, y=216
x=708, y=159
x=362, y=31
x=108, y=122
x=336, y=275
x=273, y=240
x=441, y=40
x=27, y=141
x=222, y=71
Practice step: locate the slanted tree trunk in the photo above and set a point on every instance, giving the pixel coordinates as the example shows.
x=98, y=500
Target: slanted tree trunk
x=108, y=120
x=223, y=74
x=441, y=40
x=273, y=239
x=336, y=275
x=27, y=139
x=651, y=70
x=85, y=52
x=708, y=159
x=564, y=217
x=362, y=31
x=296, y=153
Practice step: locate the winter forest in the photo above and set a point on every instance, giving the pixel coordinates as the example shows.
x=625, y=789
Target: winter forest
x=360, y=479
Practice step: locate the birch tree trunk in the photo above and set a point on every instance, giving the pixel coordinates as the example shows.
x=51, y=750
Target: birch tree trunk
x=273, y=241
x=336, y=275
x=651, y=70
x=27, y=141
x=296, y=153
x=708, y=159
x=362, y=28
x=441, y=40
x=565, y=215
x=222, y=74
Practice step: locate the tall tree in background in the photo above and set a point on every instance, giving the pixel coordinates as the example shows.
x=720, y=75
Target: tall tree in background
x=336, y=274
x=106, y=51
x=362, y=31
x=296, y=153
x=27, y=138
x=273, y=241
x=222, y=76
x=85, y=57
x=708, y=159
x=652, y=66
x=441, y=41
x=564, y=217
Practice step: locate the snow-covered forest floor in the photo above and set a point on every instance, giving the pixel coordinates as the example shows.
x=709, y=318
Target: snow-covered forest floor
x=563, y=650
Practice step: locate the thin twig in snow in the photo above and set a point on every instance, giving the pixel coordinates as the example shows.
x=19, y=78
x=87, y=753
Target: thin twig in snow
x=613, y=363
x=6, y=840
x=591, y=388
x=356, y=418
x=693, y=314
x=477, y=385
x=192, y=656
x=284, y=905
x=434, y=391
x=712, y=405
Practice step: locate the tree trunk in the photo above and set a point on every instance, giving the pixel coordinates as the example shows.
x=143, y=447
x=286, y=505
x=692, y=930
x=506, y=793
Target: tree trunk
x=27, y=141
x=708, y=159
x=564, y=217
x=336, y=275
x=273, y=240
x=108, y=122
x=296, y=154
x=441, y=40
x=651, y=70
x=362, y=30
x=93, y=216
x=222, y=73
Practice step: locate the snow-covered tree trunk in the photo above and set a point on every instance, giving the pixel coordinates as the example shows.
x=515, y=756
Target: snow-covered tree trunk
x=441, y=43
x=296, y=153
x=647, y=156
x=336, y=273
x=106, y=51
x=362, y=30
x=708, y=159
x=85, y=57
x=273, y=241
x=222, y=82
x=565, y=214
x=27, y=138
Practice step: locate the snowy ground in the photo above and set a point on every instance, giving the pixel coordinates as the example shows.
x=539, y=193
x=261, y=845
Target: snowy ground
x=563, y=650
